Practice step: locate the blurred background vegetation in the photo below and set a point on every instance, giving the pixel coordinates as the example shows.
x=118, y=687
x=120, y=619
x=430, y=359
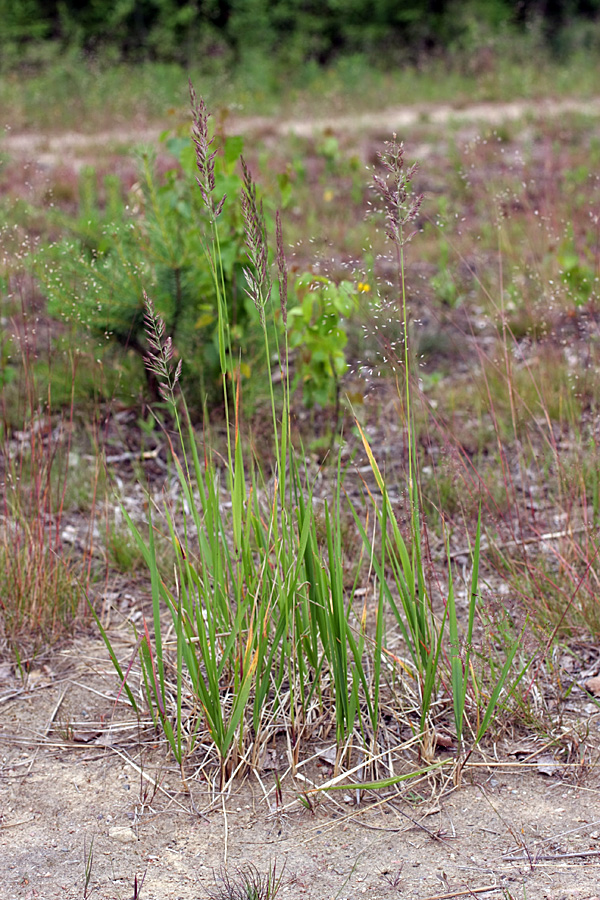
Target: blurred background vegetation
x=290, y=32
x=65, y=64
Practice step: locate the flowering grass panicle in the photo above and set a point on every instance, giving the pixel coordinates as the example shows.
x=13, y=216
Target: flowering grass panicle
x=402, y=206
x=282, y=267
x=205, y=156
x=159, y=359
x=259, y=281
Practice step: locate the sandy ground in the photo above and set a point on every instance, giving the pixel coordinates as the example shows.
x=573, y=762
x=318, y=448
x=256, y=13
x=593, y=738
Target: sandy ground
x=77, y=777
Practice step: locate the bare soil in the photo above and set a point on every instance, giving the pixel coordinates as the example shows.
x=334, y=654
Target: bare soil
x=77, y=779
x=85, y=788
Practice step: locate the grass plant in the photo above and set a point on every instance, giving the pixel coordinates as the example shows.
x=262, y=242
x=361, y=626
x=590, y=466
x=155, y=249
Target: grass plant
x=423, y=632
x=88, y=865
x=247, y=883
x=267, y=633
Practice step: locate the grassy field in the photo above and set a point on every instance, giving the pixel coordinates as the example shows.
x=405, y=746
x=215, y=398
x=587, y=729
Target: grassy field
x=68, y=92
x=376, y=515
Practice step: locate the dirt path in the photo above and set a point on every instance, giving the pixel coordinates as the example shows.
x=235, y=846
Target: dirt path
x=48, y=149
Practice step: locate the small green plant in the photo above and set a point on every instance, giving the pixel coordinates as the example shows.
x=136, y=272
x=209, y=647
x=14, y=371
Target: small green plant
x=317, y=334
x=123, y=551
x=88, y=865
x=339, y=165
x=578, y=278
x=329, y=149
x=247, y=883
x=8, y=371
x=444, y=283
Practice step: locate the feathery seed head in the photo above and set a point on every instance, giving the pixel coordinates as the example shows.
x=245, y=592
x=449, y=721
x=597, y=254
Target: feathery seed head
x=257, y=277
x=205, y=156
x=402, y=206
x=159, y=359
x=282, y=266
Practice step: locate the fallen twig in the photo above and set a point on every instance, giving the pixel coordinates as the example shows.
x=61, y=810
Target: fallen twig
x=525, y=542
x=553, y=856
x=467, y=892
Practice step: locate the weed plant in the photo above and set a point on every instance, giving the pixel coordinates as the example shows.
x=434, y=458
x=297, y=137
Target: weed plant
x=267, y=634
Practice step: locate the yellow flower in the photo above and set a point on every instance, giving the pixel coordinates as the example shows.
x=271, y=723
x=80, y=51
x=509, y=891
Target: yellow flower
x=328, y=195
x=363, y=287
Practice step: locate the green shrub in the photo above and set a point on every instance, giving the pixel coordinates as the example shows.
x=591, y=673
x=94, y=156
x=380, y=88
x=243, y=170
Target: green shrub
x=114, y=249
x=258, y=30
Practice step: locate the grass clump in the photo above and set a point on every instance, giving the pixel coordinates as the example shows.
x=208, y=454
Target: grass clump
x=268, y=632
x=247, y=883
x=40, y=590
